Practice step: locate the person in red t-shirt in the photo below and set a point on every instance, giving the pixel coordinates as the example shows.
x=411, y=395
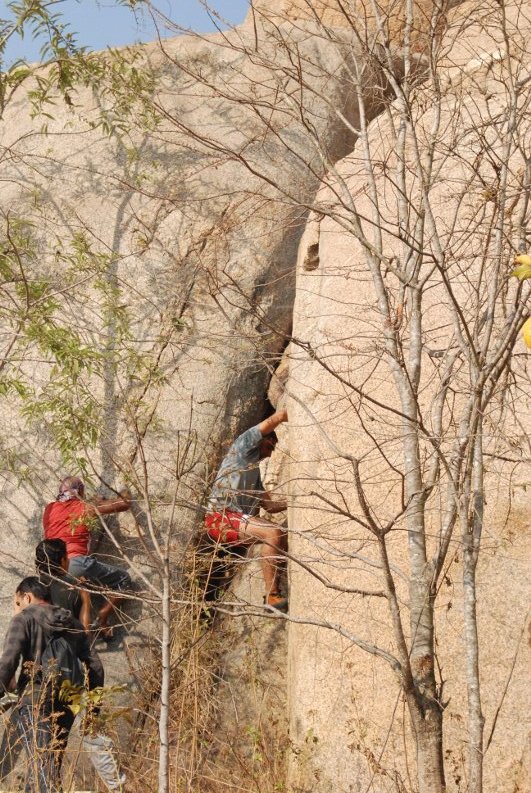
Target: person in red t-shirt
x=70, y=518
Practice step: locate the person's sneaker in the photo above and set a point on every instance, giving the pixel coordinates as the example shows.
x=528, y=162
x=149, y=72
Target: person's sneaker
x=7, y=701
x=276, y=601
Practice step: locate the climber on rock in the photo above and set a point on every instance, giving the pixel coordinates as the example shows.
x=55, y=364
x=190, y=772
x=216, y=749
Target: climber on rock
x=70, y=518
x=238, y=494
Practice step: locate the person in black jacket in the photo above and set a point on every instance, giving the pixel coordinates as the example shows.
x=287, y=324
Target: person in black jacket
x=51, y=561
x=42, y=720
x=52, y=565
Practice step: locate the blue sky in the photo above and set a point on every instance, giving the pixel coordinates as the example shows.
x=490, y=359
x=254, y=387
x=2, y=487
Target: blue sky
x=103, y=23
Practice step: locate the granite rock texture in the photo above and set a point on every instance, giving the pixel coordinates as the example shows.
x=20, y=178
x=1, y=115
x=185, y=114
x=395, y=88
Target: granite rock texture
x=170, y=244
x=348, y=721
x=172, y=249
x=194, y=225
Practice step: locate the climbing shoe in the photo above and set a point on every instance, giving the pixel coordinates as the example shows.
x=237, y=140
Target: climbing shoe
x=276, y=601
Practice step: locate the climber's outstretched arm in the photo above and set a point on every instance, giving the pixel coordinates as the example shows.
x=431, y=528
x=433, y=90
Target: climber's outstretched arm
x=270, y=424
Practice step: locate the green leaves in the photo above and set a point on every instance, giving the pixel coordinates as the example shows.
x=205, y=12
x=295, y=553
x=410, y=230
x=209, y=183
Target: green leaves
x=122, y=87
x=62, y=345
x=71, y=417
x=10, y=385
x=51, y=361
x=68, y=332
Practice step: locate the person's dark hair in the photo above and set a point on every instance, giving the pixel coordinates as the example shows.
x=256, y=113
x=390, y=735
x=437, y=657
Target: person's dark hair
x=33, y=586
x=48, y=556
x=267, y=444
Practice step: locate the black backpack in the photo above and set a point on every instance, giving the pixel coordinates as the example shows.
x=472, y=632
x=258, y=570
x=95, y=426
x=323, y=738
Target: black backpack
x=60, y=664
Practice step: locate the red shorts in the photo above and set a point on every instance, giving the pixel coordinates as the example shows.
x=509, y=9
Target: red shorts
x=224, y=526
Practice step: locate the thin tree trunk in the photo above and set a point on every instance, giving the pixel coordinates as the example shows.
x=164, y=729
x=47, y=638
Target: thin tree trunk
x=165, y=683
x=425, y=709
x=429, y=741
x=472, y=527
x=418, y=683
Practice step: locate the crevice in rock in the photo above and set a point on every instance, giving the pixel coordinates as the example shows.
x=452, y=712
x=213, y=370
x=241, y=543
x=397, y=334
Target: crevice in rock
x=311, y=260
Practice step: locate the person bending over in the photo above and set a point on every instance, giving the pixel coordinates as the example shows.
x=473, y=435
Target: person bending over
x=51, y=561
x=69, y=518
x=238, y=494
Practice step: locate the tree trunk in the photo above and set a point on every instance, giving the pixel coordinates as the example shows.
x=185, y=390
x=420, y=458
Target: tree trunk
x=165, y=683
x=428, y=735
x=427, y=719
x=472, y=529
x=418, y=682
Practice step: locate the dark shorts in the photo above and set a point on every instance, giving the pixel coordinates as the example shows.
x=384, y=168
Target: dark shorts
x=106, y=575
x=224, y=527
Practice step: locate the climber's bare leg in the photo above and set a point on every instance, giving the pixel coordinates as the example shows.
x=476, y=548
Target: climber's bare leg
x=274, y=543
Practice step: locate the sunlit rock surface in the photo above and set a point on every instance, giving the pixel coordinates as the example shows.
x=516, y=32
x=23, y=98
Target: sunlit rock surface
x=348, y=721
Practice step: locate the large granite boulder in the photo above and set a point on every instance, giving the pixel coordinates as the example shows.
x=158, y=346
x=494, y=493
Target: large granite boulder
x=169, y=243
x=348, y=719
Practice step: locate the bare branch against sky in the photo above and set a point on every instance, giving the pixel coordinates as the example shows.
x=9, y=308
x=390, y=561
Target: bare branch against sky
x=110, y=23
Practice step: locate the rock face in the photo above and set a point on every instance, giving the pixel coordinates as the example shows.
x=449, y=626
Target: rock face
x=169, y=244
x=172, y=243
x=359, y=15
x=172, y=247
x=348, y=720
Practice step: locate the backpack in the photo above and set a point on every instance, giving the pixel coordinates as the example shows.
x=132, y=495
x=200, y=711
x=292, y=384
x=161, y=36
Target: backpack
x=60, y=664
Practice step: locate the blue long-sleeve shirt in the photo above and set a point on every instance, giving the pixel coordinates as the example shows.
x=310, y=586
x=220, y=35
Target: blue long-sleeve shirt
x=238, y=486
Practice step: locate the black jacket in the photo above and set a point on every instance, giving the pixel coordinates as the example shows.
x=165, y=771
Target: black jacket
x=64, y=590
x=27, y=636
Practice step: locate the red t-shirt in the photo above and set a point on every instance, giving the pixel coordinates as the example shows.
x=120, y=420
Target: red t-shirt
x=65, y=520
